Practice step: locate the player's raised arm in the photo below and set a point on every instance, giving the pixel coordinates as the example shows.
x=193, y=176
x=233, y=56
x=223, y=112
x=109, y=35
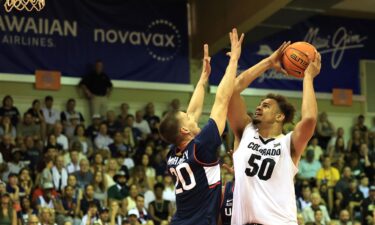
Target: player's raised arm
x=237, y=113
x=226, y=86
x=194, y=109
x=309, y=112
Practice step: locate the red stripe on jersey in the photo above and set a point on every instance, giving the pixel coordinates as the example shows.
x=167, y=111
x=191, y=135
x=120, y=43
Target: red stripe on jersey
x=202, y=163
x=214, y=185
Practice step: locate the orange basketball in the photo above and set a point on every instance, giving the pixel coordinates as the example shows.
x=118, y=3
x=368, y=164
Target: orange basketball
x=296, y=58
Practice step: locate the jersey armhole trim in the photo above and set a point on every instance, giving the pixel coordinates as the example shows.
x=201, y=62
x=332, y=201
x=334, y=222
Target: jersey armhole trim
x=214, y=185
x=200, y=162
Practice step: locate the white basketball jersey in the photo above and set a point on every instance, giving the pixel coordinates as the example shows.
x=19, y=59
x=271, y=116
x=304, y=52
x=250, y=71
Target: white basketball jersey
x=264, y=172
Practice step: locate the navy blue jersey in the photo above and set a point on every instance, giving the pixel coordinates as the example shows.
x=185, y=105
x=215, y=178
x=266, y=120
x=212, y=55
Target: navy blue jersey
x=196, y=171
x=226, y=204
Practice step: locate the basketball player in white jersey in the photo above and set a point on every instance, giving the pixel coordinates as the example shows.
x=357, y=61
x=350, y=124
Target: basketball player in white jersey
x=265, y=160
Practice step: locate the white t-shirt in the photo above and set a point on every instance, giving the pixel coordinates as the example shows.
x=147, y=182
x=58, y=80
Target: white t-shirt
x=142, y=126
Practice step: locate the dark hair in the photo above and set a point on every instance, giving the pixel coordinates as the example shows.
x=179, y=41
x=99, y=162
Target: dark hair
x=169, y=128
x=77, y=127
x=48, y=98
x=140, y=195
x=35, y=101
x=7, y=97
x=70, y=100
x=158, y=185
x=286, y=108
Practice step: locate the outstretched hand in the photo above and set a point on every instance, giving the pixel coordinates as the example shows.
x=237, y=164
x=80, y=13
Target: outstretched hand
x=206, y=69
x=236, y=43
x=275, y=58
x=313, y=69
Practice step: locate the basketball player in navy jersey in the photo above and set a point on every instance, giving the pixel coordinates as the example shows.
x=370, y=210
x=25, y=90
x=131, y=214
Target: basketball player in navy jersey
x=265, y=160
x=192, y=160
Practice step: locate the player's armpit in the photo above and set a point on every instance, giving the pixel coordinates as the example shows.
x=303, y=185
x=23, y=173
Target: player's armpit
x=301, y=135
x=237, y=115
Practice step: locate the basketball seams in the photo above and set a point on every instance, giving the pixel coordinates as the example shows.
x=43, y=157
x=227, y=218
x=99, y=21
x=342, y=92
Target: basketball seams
x=293, y=62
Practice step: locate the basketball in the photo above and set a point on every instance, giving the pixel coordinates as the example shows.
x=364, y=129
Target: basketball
x=296, y=58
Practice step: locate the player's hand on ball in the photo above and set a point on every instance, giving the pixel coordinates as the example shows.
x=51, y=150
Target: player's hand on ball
x=313, y=69
x=275, y=58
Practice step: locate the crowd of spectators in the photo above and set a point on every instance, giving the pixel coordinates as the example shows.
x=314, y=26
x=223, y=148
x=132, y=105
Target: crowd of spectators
x=57, y=167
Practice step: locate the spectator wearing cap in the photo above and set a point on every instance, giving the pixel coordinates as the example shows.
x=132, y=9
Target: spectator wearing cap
x=8, y=213
x=309, y=166
x=51, y=115
x=103, y=140
x=120, y=190
x=108, y=217
x=368, y=208
x=133, y=218
x=160, y=210
x=84, y=175
x=60, y=137
x=140, y=210
x=70, y=111
x=93, y=129
x=97, y=87
x=47, y=199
